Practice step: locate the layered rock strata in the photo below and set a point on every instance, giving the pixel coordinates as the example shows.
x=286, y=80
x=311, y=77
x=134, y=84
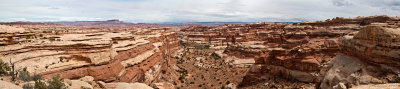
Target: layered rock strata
x=119, y=55
x=369, y=56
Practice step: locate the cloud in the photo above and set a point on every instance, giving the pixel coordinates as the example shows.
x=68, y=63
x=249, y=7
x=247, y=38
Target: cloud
x=192, y=10
x=341, y=3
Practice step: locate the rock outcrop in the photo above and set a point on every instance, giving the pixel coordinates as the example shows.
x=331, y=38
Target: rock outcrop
x=127, y=86
x=127, y=55
x=369, y=56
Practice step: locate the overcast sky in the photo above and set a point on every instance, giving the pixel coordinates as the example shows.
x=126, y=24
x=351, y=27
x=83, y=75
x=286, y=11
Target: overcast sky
x=152, y=11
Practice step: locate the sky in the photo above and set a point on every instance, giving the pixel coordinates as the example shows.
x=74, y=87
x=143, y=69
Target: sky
x=156, y=11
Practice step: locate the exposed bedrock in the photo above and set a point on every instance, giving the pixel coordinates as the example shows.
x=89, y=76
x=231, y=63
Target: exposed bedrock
x=370, y=56
x=106, y=56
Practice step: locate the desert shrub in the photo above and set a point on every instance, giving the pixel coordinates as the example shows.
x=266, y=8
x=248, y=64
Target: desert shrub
x=24, y=75
x=272, y=86
x=27, y=86
x=40, y=85
x=55, y=83
x=323, y=61
x=385, y=71
x=396, y=80
x=207, y=46
x=82, y=87
x=52, y=39
x=180, y=61
x=181, y=77
x=36, y=77
x=4, y=67
x=182, y=71
x=215, y=56
x=163, y=71
x=182, y=43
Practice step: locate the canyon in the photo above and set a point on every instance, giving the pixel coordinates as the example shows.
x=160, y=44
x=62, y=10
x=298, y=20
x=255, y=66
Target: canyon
x=338, y=53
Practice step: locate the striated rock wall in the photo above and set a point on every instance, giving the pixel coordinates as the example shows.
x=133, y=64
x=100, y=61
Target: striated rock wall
x=107, y=56
x=375, y=45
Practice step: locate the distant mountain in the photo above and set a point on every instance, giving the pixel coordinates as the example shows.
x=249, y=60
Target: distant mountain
x=87, y=23
x=204, y=23
x=25, y=23
x=110, y=23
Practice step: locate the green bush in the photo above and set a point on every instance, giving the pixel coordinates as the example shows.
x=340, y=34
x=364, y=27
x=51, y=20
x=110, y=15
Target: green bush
x=27, y=86
x=82, y=87
x=25, y=75
x=40, y=85
x=36, y=77
x=55, y=83
x=4, y=67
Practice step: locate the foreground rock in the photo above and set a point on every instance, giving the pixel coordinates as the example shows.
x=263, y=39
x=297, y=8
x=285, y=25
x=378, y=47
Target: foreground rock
x=370, y=56
x=127, y=86
x=378, y=86
x=8, y=85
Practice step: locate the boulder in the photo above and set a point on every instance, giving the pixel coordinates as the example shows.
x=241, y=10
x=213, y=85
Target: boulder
x=122, y=85
x=77, y=84
x=340, y=86
x=87, y=79
x=164, y=85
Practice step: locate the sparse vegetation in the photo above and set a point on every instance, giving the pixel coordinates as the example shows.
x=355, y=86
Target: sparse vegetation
x=54, y=83
x=207, y=46
x=25, y=75
x=52, y=39
x=385, y=71
x=28, y=86
x=215, y=56
x=182, y=43
x=40, y=85
x=82, y=87
x=4, y=67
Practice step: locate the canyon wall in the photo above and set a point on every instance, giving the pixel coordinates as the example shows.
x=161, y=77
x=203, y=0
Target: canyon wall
x=117, y=55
